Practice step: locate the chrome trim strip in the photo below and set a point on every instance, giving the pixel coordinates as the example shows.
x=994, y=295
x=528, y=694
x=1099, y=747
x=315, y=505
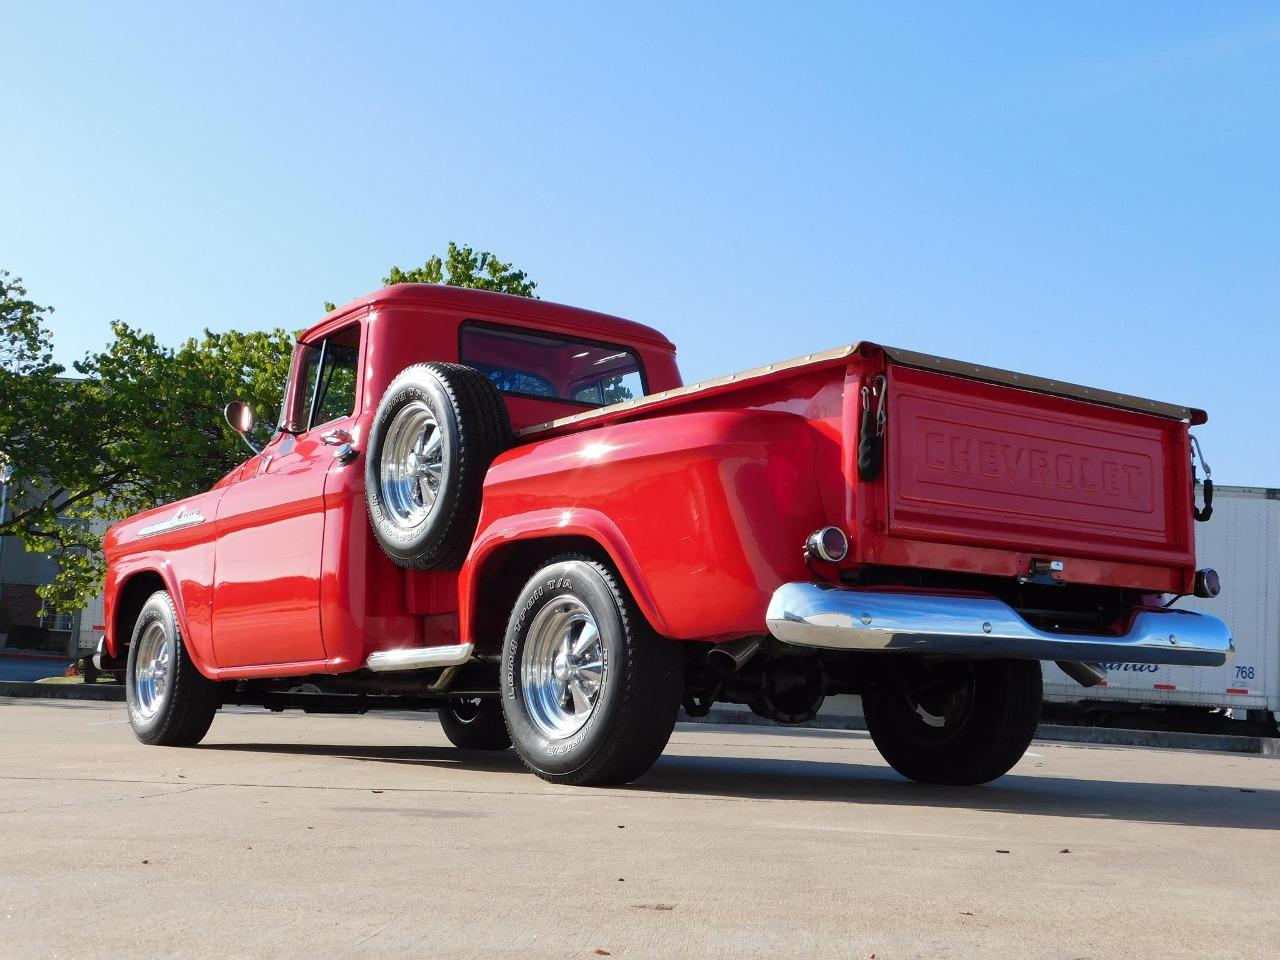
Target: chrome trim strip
x=1060, y=388
x=420, y=658
x=839, y=618
x=183, y=518
x=905, y=358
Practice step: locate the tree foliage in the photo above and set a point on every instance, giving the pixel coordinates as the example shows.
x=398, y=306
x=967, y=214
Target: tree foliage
x=140, y=424
x=25, y=346
x=464, y=267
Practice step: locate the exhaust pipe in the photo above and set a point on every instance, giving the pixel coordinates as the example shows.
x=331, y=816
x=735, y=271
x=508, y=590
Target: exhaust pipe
x=1085, y=674
x=730, y=657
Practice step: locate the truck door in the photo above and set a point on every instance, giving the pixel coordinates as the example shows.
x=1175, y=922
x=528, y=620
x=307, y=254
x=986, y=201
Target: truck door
x=270, y=524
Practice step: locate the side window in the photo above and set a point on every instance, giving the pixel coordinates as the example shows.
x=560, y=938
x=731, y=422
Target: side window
x=328, y=376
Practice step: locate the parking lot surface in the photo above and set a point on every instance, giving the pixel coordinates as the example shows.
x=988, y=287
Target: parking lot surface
x=323, y=837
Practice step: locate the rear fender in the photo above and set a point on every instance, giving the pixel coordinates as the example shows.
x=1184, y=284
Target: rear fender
x=553, y=524
x=702, y=514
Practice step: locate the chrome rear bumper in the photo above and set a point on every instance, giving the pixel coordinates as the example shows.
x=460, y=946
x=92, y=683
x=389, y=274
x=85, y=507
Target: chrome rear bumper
x=839, y=618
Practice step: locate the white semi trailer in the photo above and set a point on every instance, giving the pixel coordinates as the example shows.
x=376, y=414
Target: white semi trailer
x=1242, y=542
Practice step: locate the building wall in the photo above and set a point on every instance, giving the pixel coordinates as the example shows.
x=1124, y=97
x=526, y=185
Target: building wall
x=21, y=572
x=19, y=566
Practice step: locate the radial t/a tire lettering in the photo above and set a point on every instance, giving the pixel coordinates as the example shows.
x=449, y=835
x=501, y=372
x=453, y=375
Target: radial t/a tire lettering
x=589, y=691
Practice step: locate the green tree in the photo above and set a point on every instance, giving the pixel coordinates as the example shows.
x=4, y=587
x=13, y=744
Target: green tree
x=139, y=426
x=464, y=267
x=141, y=423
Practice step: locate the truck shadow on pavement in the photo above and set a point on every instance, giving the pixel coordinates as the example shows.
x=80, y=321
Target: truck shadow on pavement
x=417, y=756
x=836, y=781
x=1186, y=804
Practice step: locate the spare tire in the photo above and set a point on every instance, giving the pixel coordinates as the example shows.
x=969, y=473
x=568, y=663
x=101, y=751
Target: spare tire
x=437, y=429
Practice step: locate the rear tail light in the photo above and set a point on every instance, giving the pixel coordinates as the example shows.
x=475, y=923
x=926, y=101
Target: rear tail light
x=829, y=544
x=1208, y=583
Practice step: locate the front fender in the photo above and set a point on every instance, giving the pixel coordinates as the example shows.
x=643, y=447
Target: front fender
x=174, y=543
x=182, y=573
x=195, y=631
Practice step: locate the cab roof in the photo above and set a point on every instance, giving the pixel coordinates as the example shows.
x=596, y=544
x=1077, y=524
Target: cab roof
x=487, y=305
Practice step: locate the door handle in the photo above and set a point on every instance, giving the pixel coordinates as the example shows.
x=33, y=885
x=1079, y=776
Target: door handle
x=340, y=439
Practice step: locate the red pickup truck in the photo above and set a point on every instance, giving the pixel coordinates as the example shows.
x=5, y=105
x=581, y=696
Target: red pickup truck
x=514, y=513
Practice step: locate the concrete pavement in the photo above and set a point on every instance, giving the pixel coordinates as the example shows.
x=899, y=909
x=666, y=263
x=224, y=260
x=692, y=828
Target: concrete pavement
x=327, y=837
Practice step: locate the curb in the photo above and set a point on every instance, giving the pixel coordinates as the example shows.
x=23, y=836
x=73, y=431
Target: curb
x=1166, y=739
x=1061, y=733
x=110, y=692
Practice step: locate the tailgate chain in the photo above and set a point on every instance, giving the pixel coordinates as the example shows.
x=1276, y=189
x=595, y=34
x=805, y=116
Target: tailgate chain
x=1204, y=514
x=871, y=431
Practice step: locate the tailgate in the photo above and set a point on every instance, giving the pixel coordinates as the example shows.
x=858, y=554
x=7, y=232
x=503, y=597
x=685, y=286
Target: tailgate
x=974, y=463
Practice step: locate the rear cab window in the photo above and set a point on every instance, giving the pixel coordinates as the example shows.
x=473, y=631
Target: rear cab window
x=546, y=366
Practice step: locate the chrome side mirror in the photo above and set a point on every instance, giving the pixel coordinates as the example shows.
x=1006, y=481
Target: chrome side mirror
x=240, y=415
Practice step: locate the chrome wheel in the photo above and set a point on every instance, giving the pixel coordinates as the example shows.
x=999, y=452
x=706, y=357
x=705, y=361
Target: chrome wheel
x=412, y=464
x=153, y=664
x=562, y=669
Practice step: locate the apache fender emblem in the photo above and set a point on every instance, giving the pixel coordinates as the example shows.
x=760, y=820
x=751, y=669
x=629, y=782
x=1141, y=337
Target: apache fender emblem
x=185, y=517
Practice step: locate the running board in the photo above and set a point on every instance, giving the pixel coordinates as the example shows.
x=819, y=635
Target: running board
x=420, y=658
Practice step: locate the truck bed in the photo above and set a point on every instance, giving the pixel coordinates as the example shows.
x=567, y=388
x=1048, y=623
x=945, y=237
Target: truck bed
x=984, y=470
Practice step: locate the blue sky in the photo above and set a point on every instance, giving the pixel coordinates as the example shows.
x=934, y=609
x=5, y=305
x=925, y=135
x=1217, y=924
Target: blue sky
x=1087, y=191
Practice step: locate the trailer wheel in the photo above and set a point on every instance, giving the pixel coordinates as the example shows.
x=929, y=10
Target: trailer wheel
x=590, y=693
x=436, y=430
x=956, y=723
x=171, y=703
x=475, y=724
